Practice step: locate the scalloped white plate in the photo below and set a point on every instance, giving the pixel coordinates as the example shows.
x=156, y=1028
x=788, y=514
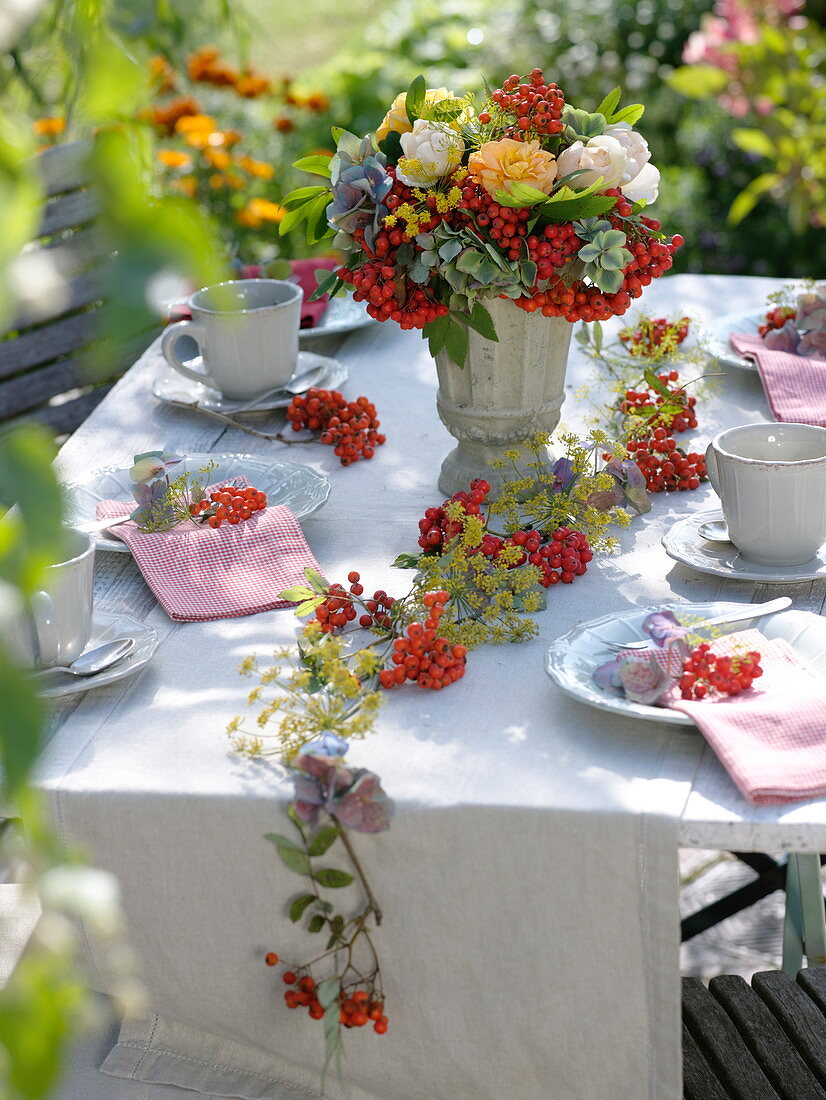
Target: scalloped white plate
x=572, y=659
x=714, y=337
x=107, y=626
x=299, y=488
x=341, y=315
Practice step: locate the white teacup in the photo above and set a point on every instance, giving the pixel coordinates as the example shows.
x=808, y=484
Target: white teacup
x=59, y=626
x=246, y=332
x=771, y=480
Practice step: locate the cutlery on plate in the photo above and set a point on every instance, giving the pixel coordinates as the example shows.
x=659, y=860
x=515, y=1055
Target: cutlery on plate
x=298, y=384
x=96, y=660
x=714, y=530
x=749, y=611
x=93, y=526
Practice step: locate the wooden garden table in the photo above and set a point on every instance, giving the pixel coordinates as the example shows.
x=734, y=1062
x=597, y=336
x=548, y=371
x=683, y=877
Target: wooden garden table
x=529, y=827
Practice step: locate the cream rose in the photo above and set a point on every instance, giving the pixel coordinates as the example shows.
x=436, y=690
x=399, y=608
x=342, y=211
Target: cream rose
x=396, y=118
x=644, y=187
x=603, y=157
x=497, y=164
x=430, y=153
x=636, y=149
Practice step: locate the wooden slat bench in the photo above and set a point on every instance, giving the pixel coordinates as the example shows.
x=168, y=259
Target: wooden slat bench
x=44, y=369
x=764, y=1041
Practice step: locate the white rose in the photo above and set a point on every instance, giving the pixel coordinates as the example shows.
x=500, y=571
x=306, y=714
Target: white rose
x=644, y=187
x=603, y=157
x=636, y=149
x=430, y=153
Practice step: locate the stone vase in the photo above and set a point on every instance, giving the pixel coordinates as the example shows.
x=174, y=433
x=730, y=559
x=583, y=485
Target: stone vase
x=506, y=392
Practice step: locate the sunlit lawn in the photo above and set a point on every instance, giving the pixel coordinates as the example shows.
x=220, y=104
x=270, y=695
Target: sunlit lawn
x=295, y=36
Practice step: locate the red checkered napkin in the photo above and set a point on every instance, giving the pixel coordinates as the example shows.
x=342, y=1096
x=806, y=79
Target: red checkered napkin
x=771, y=739
x=200, y=573
x=794, y=385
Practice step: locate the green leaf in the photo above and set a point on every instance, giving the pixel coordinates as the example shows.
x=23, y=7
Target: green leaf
x=585, y=124
x=596, y=333
x=589, y=252
x=21, y=717
x=630, y=114
x=569, y=210
x=406, y=561
x=520, y=195
x=295, y=595
x=282, y=841
x=698, y=81
x=322, y=840
x=317, y=226
x=318, y=164
x=308, y=607
x=292, y=218
x=299, y=905
x=449, y=250
x=315, y=581
x=749, y=197
x=302, y=195
x=653, y=382
x=316, y=924
x=414, y=100
x=754, y=141
x=469, y=261
x=610, y=103
x=436, y=333
x=481, y=320
x=329, y=876
x=456, y=342
x=296, y=861
x=391, y=146
x=328, y=992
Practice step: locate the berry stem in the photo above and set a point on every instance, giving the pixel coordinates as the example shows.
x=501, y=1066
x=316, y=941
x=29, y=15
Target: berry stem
x=354, y=859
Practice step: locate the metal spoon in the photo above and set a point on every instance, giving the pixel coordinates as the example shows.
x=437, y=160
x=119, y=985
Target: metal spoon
x=748, y=611
x=295, y=385
x=714, y=530
x=96, y=660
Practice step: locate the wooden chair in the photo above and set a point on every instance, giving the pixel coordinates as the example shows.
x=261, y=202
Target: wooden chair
x=44, y=372
x=764, y=1041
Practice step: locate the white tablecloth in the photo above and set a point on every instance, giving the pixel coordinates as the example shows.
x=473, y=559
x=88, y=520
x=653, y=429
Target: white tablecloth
x=529, y=879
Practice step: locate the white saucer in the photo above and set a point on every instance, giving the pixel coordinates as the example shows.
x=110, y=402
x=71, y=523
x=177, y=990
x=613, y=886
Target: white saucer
x=714, y=337
x=723, y=559
x=572, y=659
x=341, y=315
x=106, y=627
x=171, y=386
x=300, y=488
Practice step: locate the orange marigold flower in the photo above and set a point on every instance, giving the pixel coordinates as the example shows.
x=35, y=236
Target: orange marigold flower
x=49, y=127
x=186, y=185
x=217, y=158
x=246, y=218
x=250, y=86
x=172, y=158
x=317, y=101
x=230, y=138
x=265, y=210
x=257, y=168
x=166, y=118
x=235, y=180
x=283, y=124
x=161, y=74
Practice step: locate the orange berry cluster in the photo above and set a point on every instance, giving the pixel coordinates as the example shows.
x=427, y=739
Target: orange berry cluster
x=703, y=672
x=664, y=465
x=437, y=529
x=506, y=225
x=535, y=105
x=776, y=318
x=358, y=1006
x=349, y=427
x=340, y=606
x=228, y=504
x=432, y=662
x=645, y=399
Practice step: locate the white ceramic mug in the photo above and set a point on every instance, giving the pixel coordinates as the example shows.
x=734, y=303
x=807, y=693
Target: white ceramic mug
x=59, y=625
x=246, y=332
x=771, y=480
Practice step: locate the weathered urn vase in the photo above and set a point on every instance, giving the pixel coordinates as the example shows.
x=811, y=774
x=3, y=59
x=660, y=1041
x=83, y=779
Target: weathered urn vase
x=506, y=392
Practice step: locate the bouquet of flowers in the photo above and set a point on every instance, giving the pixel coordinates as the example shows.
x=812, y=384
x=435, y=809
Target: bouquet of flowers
x=528, y=199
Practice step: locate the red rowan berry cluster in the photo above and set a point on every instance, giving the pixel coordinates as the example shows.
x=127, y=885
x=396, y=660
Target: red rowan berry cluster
x=554, y=247
x=644, y=340
x=704, y=673
x=664, y=465
x=421, y=655
x=228, y=504
x=349, y=427
x=505, y=225
x=535, y=105
x=639, y=400
x=563, y=558
x=776, y=318
x=358, y=1006
x=437, y=529
x=341, y=607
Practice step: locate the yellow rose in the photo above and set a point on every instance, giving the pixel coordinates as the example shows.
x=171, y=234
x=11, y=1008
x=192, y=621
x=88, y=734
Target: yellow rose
x=396, y=118
x=499, y=163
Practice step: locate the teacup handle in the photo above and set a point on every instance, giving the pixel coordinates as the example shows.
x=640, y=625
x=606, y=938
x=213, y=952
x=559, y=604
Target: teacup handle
x=171, y=335
x=45, y=627
x=711, y=468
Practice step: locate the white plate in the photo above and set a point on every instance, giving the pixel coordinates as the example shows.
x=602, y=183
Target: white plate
x=572, y=659
x=106, y=627
x=683, y=543
x=715, y=336
x=301, y=489
x=171, y=386
x=341, y=315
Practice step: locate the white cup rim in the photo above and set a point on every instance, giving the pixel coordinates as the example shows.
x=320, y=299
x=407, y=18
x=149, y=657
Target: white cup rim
x=783, y=462
x=295, y=294
x=88, y=549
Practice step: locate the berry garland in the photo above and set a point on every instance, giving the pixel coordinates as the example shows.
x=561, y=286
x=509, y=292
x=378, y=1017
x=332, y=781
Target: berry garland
x=349, y=427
